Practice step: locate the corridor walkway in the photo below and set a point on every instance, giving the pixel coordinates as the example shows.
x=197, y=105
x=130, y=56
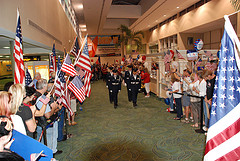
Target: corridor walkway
x=147, y=133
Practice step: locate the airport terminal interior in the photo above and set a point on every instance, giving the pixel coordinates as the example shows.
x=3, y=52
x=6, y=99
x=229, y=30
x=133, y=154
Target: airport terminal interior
x=146, y=35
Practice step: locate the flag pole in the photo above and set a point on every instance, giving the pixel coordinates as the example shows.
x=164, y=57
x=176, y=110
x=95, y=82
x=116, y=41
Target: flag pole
x=80, y=50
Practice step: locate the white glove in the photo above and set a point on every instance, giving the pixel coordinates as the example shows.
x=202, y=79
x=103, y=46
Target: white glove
x=125, y=84
x=107, y=86
x=129, y=89
x=111, y=91
x=119, y=90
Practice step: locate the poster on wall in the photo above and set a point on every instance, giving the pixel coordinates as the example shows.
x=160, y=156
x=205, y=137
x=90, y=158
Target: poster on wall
x=43, y=69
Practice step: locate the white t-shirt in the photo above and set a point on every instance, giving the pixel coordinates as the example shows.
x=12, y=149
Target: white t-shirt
x=18, y=124
x=202, y=88
x=185, y=85
x=177, y=86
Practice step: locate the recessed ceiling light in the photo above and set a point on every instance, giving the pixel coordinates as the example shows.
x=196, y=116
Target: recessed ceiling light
x=6, y=47
x=156, y=21
x=177, y=7
x=83, y=29
x=164, y=15
x=80, y=6
x=148, y=25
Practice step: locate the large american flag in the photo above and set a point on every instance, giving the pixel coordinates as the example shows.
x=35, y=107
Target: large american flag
x=77, y=88
x=75, y=48
x=84, y=61
x=223, y=137
x=60, y=88
x=19, y=73
x=68, y=67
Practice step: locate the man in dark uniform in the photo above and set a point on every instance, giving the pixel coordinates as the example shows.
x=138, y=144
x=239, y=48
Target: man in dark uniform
x=108, y=81
x=127, y=76
x=115, y=87
x=135, y=85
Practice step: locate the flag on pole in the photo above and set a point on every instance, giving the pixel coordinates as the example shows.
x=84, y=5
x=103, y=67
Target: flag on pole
x=87, y=83
x=98, y=60
x=77, y=88
x=84, y=61
x=54, y=58
x=75, y=48
x=51, y=68
x=28, y=79
x=60, y=86
x=179, y=55
x=19, y=73
x=223, y=137
x=68, y=67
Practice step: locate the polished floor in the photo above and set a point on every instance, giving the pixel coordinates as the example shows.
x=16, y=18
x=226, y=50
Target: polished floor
x=147, y=133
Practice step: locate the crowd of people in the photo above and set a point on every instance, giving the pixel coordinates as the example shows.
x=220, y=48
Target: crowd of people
x=185, y=92
x=36, y=113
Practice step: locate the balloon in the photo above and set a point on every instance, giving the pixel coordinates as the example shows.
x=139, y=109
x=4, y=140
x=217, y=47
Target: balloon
x=123, y=59
x=167, y=101
x=144, y=58
x=91, y=60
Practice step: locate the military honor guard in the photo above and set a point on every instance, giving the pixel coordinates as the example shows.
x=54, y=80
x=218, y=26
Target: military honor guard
x=115, y=87
x=135, y=85
x=108, y=81
x=127, y=76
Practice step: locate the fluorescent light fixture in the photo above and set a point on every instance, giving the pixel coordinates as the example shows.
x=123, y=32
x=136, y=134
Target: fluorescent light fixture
x=6, y=47
x=83, y=29
x=80, y=6
x=82, y=26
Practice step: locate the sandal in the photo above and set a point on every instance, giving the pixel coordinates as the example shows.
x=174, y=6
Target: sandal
x=194, y=125
x=176, y=118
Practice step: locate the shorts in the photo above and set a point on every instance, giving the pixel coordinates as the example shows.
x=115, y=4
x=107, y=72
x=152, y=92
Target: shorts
x=185, y=100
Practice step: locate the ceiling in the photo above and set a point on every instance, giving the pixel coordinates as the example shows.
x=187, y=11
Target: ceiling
x=104, y=17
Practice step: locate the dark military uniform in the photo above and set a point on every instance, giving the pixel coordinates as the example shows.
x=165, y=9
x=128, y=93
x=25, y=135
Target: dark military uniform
x=135, y=86
x=115, y=87
x=108, y=81
x=127, y=81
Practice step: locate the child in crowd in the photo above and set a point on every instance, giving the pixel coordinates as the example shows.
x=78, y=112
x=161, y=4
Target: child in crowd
x=176, y=88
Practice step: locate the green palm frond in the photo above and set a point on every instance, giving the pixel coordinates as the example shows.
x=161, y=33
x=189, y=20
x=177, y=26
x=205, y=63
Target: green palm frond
x=129, y=37
x=236, y=4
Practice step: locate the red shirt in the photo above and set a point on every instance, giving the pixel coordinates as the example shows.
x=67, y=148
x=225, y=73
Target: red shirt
x=146, y=78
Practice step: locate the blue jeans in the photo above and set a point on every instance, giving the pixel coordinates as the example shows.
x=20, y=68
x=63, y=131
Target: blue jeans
x=60, y=125
x=205, y=113
x=179, y=107
x=171, y=103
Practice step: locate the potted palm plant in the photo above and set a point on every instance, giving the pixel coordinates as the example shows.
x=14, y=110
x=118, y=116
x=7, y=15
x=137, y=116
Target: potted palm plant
x=130, y=40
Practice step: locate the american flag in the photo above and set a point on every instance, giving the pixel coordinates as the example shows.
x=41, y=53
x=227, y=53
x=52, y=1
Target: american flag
x=84, y=62
x=54, y=58
x=28, y=79
x=87, y=83
x=179, y=55
x=199, y=62
x=51, y=63
x=68, y=67
x=60, y=85
x=208, y=53
x=75, y=48
x=223, y=137
x=77, y=88
x=19, y=72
